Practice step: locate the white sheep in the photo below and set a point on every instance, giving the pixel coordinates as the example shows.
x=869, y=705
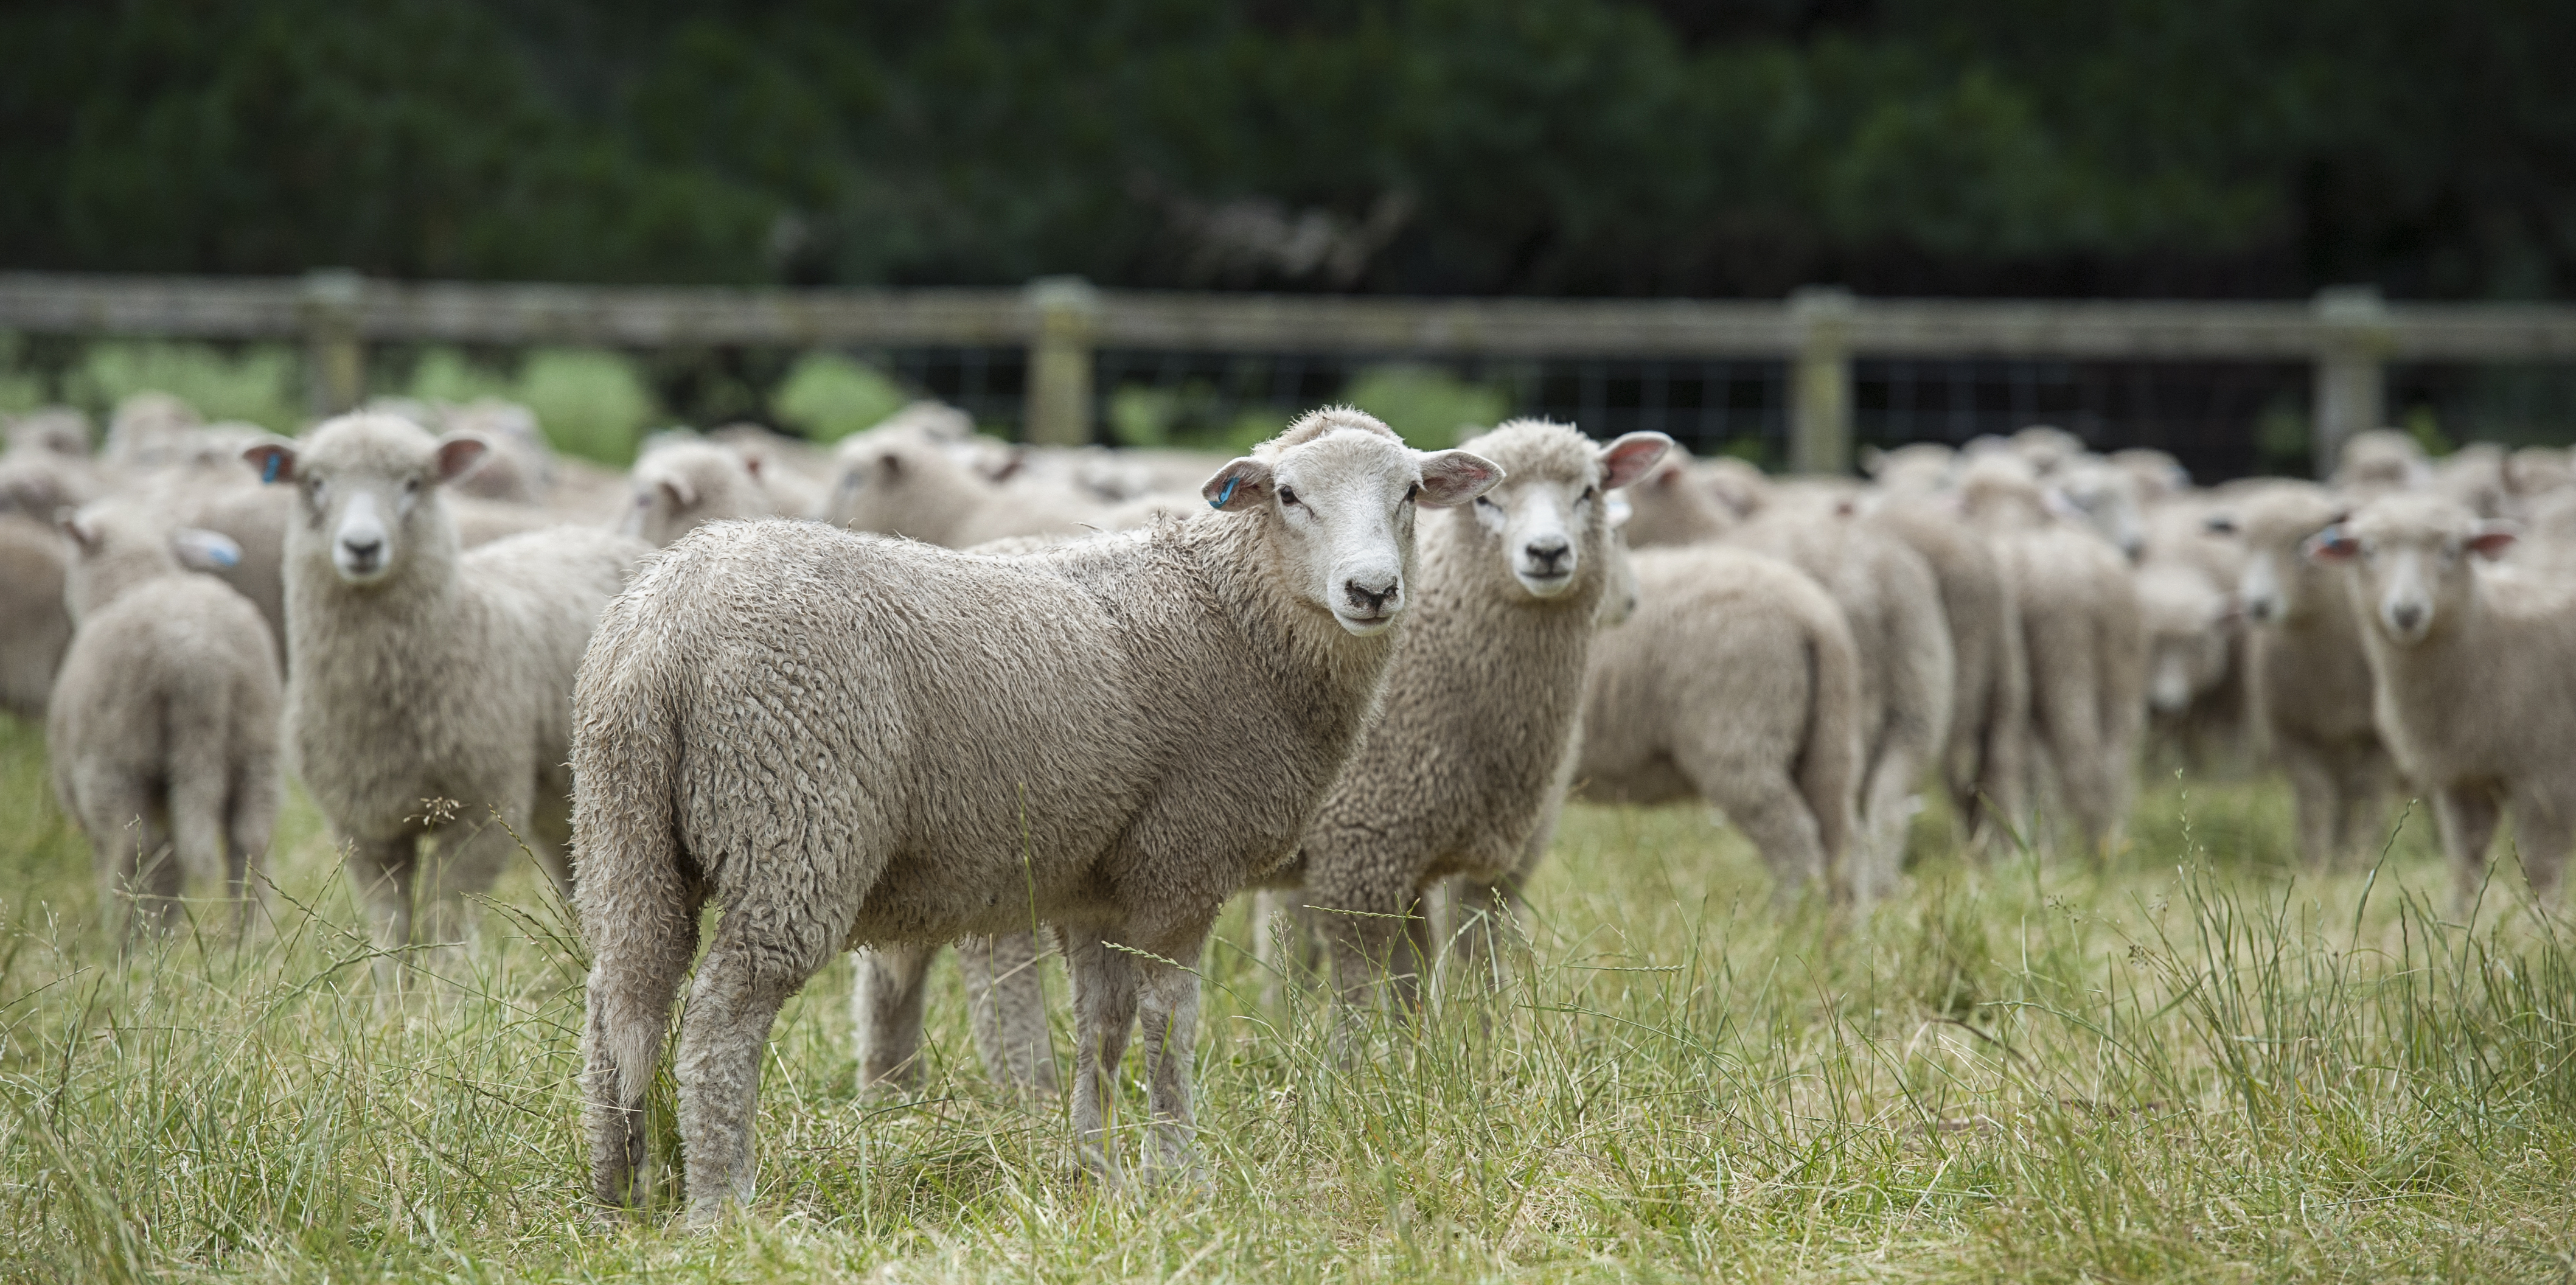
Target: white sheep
x=1986, y=765
x=890, y=744
x=686, y=484
x=163, y=724
x=2468, y=668
x=2081, y=630
x=900, y=481
x=2307, y=677
x=1736, y=681
x=428, y=688
x=35, y=628
x=1481, y=702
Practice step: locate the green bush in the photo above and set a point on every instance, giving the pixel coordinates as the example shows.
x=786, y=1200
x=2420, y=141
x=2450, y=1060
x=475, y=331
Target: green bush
x=1432, y=408
x=828, y=396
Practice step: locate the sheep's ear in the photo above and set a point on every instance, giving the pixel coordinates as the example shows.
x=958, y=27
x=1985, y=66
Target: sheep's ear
x=82, y=532
x=203, y=550
x=2493, y=538
x=274, y=458
x=682, y=494
x=753, y=462
x=1243, y=483
x=1627, y=459
x=1455, y=477
x=2331, y=545
x=2219, y=524
x=458, y=453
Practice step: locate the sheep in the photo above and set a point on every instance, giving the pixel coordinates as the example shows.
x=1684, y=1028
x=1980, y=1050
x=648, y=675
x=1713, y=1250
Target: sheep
x=2047, y=448
x=2474, y=475
x=1736, y=681
x=1916, y=468
x=687, y=484
x=2159, y=476
x=1986, y=765
x=2307, y=677
x=428, y=688
x=2379, y=461
x=163, y=723
x=145, y=427
x=50, y=430
x=520, y=467
x=895, y=745
x=2468, y=668
x=35, y=627
x=1481, y=699
x=2196, y=664
x=902, y=482
x=2106, y=498
x=2081, y=632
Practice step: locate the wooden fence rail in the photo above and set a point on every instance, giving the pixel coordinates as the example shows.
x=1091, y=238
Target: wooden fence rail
x=2348, y=334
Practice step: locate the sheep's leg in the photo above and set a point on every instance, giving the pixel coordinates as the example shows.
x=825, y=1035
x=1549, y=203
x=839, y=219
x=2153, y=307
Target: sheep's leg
x=885, y=1009
x=380, y=871
x=1006, y=1006
x=199, y=793
x=1104, y=1011
x=1889, y=797
x=2468, y=816
x=2318, y=804
x=761, y=955
x=2360, y=781
x=633, y=979
x=2541, y=837
x=1168, y=997
x=1768, y=808
x=248, y=829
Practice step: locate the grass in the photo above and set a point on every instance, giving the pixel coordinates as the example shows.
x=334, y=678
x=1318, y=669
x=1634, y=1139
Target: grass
x=2185, y=1063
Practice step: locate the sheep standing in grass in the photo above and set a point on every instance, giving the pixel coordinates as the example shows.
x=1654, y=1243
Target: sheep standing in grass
x=34, y=626
x=1736, y=681
x=2468, y=667
x=1482, y=700
x=1986, y=765
x=2308, y=678
x=849, y=741
x=163, y=723
x=429, y=688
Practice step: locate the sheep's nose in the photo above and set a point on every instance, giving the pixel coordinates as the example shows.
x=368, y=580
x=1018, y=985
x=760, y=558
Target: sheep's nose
x=364, y=550
x=2259, y=610
x=1546, y=553
x=1371, y=601
x=2406, y=616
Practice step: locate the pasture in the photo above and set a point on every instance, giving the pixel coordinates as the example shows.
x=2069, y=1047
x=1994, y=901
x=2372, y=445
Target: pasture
x=2192, y=1062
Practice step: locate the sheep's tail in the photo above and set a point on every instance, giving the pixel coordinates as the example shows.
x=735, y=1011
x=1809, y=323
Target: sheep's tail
x=1829, y=769
x=637, y=892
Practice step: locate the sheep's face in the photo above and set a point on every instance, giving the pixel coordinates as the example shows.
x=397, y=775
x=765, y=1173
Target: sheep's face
x=1548, y=515
x=2408, y=557
x=2279, y=582
x=2187, y=626
x=1342, y=507
x=367, y=484
x=878, y=478
x=2105, y=498
x=680, y=488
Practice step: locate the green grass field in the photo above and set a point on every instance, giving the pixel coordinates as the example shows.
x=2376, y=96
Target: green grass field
x=2187, y=1065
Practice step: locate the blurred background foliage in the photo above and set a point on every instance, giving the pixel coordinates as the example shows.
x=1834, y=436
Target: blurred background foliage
x=1730, y=147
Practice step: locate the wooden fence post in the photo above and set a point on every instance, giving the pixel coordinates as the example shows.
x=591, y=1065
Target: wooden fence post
x=1059, y=394
x=2351, y=387
x=335, y=355
x=1820, y=397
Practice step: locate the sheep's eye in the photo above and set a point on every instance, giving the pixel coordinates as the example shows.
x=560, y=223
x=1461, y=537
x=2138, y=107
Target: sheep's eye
x=1483, y=503
x=1591, y=492
x=1287, y=496
x=1412, y=491
x=411, y=486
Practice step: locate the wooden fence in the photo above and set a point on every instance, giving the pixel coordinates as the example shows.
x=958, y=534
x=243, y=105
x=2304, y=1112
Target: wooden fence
x=2349, y=335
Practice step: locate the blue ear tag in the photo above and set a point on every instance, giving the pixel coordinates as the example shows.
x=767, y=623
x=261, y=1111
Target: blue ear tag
x=1222, y=496
x=268, y=471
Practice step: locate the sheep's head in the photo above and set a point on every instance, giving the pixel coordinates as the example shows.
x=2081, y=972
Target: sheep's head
x=2106, y=498
x=896, y=481
x=2188, y=620
x=1338, y=490
x=2408, y=559
x=2279, y=582
x=686, y=485
x=1547, y=517
x=369, y=485
x=111, y=546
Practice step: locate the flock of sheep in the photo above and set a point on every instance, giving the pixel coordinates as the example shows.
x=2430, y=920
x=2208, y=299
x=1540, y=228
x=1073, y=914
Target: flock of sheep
x=926, y=689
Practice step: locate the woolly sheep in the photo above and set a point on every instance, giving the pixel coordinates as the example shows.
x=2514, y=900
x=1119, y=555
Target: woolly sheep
x=1481, y=700
x=1986, y=765
x=2381, y=460
x=2106, y=498
x=35, y=627
x=1737, y=682
x=52, y=430
x=2082, y=633
x=428, y=688
x=899, y=482
x=686, y=484
x=2307, y=677
x=163, y=724
x=2196, y=649
x=890, y=744
x=2468, y=668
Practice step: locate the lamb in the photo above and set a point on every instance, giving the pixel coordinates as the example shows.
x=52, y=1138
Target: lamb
x=894, y=745
x=2308, y=680
x=2468, y=668
x=687, y=484
x=2082, y=633
x=2379, y=461
x=428, y=689
x=1771, y=735
x=2196, y=690
x=2106, y=498
x=1986, y=765
x=1482, y=700
x=896, y=481
x=35, y=628
x=163, y=723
